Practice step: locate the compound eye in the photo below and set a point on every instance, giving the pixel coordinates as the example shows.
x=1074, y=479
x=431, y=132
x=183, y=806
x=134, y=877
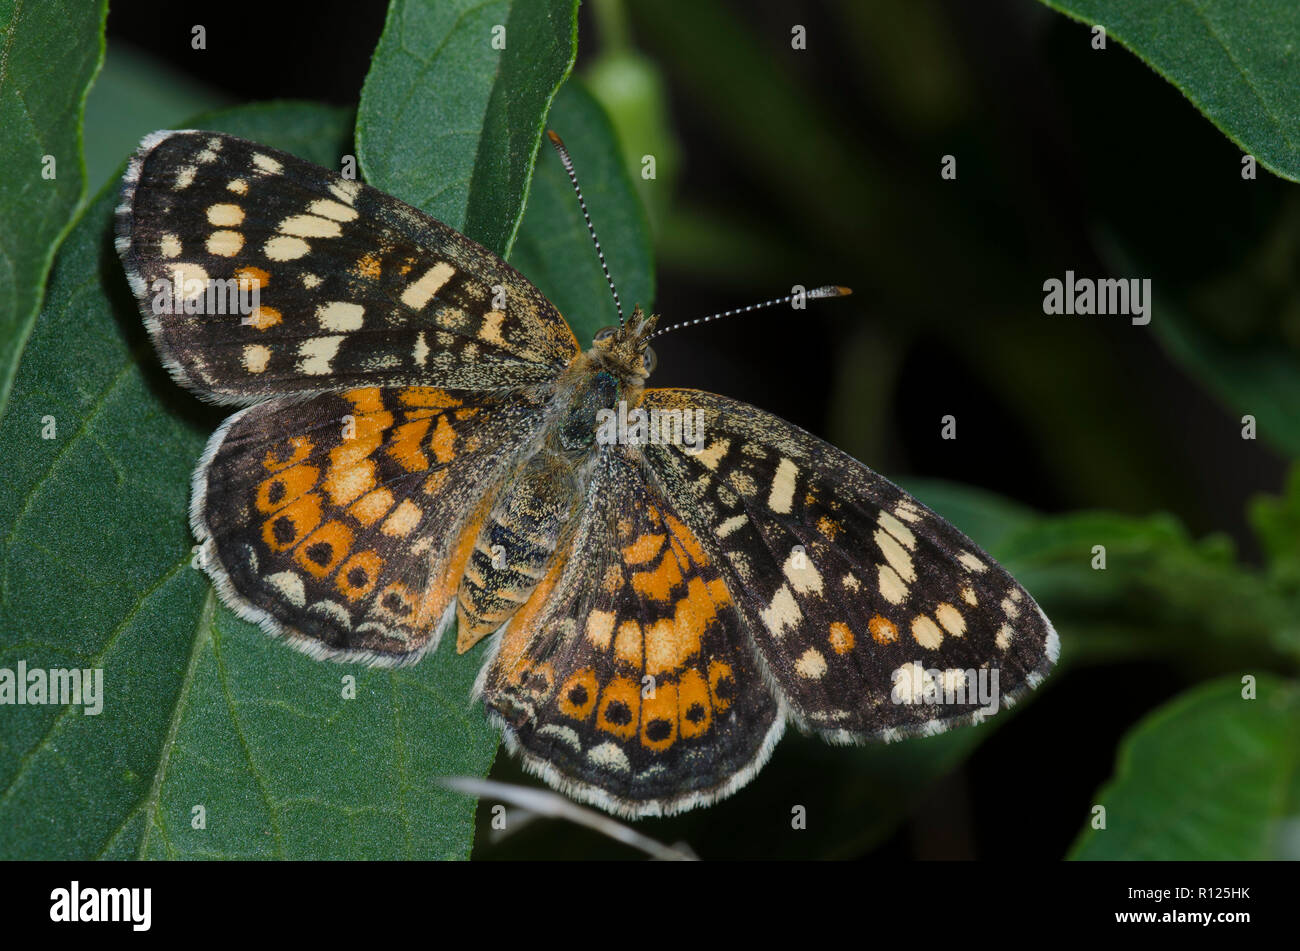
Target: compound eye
x=604, y=333
x=649, y=361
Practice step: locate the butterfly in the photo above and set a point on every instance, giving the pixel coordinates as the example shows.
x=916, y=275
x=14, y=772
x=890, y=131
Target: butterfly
x=668, y=577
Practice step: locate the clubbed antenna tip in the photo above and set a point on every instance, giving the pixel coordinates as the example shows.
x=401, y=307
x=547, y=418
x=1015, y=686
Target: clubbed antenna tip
x=817, y=293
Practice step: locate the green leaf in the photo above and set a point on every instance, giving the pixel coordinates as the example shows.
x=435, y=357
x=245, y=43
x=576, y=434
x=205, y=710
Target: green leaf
x=554, y=250
x=1235, y=60
x=1208, y=776
x=452, y=125
x=1276, y=522
x=134, y=95
x=49, y=54
x=199, y=708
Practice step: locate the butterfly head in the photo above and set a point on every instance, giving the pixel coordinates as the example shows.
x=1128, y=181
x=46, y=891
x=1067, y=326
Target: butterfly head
x=625, y=350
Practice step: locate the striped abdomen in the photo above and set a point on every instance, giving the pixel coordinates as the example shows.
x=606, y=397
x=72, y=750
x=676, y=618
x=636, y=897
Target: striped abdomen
x=515, y=545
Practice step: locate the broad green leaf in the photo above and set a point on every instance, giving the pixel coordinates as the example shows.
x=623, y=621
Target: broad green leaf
x=554, y=250
x=134, y=95
x=1234, y=59
x=199, y=709
x=1208, y=776
x=450, y=122
x=49, y=54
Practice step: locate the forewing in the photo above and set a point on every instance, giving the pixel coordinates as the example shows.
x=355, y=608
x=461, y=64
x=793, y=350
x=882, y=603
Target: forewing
x=352, y=287
x=876, y=617
x=343, y=521
x=627, y=680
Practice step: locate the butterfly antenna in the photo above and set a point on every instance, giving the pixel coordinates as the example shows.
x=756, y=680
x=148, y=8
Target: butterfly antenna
x=573, y=177
x=830, y=290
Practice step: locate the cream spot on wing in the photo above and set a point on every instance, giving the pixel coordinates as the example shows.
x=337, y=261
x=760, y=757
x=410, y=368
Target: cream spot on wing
x=600, y=625
x=225, y=244
x=420, y=292
x=907, y=511
x=782, y=613
x=290, y=587
x=206, y=156
x=238, y=186
x=1009, y=608
x=782, y=495
x=286, y=249
x=332, y=609
x=710, y=457
x=403, y=519
x=310, y=281
x=956, y=684
x=629, y=643
x=968, y=595
x=1004, y=635
x=730, y=525
x=851, y=582
x=609, y=756
x=802, y=574
x=491, y=329
x=898, y=559
x=898, y=530
x=316, y=354
x=189, y=280
x=185, y=176
x=332, y=209
x=340, y=316
x=811, y=664
x=421, y=352
x=909, y=682
x=256, y=356
x=1017, y=595
x=309, y=226
x=267, y=164
x=971, y=562
x=951, y=619
x=225, y=215
x=169, y=245
x=566, y=735
x=346, y=189
x=926, y=633
x=892, y=588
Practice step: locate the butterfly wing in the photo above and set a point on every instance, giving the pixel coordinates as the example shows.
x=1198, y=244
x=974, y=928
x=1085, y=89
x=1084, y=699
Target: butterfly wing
x=627, y=679
x=353, y=287
x=343, y=521
x=867, y=609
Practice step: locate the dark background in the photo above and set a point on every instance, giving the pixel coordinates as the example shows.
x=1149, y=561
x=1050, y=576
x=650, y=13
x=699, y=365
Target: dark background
x=1065, y=154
